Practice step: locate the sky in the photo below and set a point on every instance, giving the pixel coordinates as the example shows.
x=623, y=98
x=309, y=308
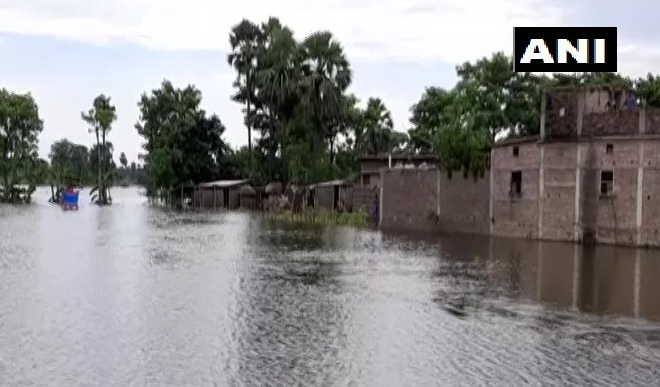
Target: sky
x=66, y=52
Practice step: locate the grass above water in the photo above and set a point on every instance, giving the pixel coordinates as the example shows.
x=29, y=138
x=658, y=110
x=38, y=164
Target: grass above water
x=325, y=218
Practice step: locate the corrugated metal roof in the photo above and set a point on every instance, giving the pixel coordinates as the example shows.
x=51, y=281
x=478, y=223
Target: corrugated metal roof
x=223, y=183
x=331, y=183
x=397, y=157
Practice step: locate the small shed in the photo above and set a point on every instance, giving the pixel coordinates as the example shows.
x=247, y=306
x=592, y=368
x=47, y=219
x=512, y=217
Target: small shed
x=335, y=195
x=248, y=197
x=229, y=194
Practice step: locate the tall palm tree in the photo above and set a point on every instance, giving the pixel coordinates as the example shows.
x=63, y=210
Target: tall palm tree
x=245, y=39
x=278, y=80
x=378, y=127
x=327, y=76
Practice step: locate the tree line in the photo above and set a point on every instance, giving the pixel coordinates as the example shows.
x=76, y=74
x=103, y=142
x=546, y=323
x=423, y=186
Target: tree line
x=72, y=163
x=21, y=169
x=302, y=124
x=309, y=128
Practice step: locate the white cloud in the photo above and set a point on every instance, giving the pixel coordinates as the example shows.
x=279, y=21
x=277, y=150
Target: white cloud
x=371, y=30
x=377, y=30
x=637, y=59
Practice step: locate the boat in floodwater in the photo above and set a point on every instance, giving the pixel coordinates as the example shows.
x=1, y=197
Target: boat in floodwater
x=66, y=198
x=70, y=199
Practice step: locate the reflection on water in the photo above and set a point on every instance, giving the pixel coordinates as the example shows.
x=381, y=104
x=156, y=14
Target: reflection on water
x=135, y=295
x=602, y=280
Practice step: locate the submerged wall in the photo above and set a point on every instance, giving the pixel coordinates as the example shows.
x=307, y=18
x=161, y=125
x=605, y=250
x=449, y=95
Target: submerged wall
x=559, y=195
x=422, y=199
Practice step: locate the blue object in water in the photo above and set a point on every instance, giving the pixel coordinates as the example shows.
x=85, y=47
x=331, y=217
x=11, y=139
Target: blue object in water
x=70, y=198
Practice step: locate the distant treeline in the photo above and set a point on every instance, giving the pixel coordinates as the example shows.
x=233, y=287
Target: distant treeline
x=302, y=124
x=71, y=163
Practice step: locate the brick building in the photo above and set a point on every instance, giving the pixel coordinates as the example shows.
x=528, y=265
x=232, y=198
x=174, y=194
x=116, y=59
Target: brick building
x=367, y=187
x=371, y=165
x=593, y=174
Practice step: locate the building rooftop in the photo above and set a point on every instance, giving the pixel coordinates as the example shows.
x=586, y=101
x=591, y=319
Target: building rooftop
x=224, y=183
x=332, y=183
x=516, y=140
x=397, y=157
x=590, y=88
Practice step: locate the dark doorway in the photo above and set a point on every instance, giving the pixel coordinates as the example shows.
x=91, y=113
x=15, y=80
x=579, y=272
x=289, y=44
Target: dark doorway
x=225, y=197
x=310, y=198
x=335, y=199
x=516, y=184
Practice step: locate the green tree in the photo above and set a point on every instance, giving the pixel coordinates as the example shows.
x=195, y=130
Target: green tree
x=106, y=162
x=486, y=88
x=328, y=76
x=182, y=143
x=297, y=98
x=69, y=162
x=378, y=134
x=100, y=119
x=428, y=115
x=123, y=160
x=245, y=40
x=20, y=127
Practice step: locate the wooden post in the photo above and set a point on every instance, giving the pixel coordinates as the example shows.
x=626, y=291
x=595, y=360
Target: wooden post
x=215, y=198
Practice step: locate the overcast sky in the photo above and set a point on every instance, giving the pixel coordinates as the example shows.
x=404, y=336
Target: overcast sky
x=68, y=51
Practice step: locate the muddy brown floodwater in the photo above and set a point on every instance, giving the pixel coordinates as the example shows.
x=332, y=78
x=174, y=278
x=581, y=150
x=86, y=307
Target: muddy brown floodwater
x=138, y=296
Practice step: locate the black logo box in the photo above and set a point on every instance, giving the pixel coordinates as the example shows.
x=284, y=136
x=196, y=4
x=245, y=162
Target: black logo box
x=523, y=35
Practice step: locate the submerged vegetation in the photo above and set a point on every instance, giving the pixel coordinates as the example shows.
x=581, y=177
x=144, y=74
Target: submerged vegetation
x=302, y=124
x=321, y=217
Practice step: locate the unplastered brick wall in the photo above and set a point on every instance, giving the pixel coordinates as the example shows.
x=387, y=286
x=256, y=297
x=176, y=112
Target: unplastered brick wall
x=652, y=120
x=650, y=229
x=559, y=185
x=611, y=217
x=409, y=199
x=621, y=122
x=465, y=203
x=515, y=215
x=561, y=114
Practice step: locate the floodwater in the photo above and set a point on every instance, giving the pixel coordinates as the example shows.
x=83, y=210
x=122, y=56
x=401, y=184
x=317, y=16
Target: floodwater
x=134, y=295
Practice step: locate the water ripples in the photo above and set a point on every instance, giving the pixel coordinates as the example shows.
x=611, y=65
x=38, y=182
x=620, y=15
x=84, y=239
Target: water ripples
x=148, y=297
